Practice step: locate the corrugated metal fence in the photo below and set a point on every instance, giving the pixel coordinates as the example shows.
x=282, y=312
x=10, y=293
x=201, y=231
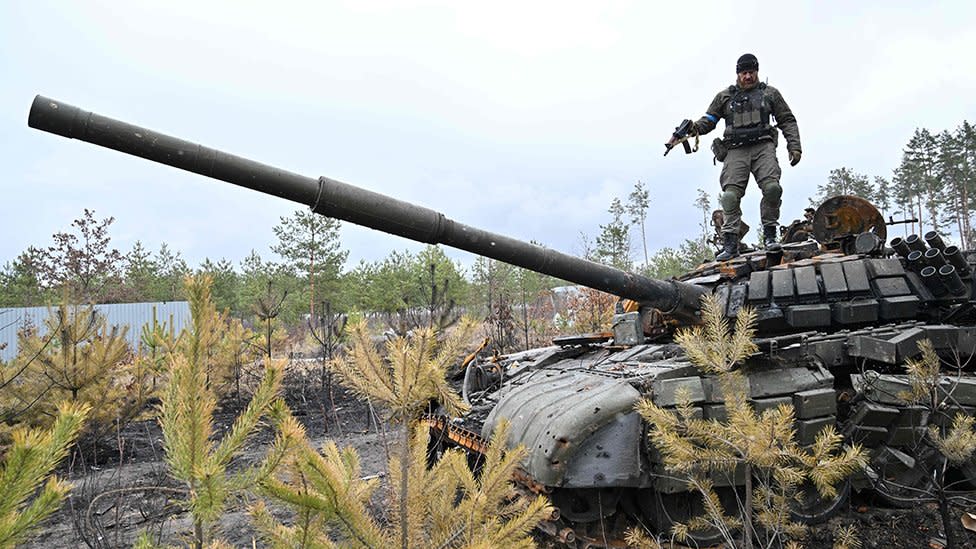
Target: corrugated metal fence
x=133, y=315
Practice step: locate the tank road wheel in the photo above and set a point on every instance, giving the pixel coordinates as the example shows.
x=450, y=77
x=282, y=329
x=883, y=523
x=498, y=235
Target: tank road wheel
x=585, y=504
x=812, y=508
x=666, y=510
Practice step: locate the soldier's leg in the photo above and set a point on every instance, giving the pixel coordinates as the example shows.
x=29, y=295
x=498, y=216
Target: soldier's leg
x=731, y=199
x=766, y=169
x=734, y=178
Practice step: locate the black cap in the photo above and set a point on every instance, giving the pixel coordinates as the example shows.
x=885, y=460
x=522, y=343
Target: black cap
x=747, y=62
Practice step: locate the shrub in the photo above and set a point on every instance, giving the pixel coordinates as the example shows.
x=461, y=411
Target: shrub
x=26, y=498
x=78, y=358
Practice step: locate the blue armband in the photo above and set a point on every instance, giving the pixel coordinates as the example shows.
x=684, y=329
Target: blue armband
x=711, y=117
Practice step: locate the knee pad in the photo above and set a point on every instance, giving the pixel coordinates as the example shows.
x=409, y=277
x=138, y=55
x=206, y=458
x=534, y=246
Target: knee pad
x=772, y=190
x=729, y=199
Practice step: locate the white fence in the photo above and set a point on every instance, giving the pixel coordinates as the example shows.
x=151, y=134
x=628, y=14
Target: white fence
x=133, y=315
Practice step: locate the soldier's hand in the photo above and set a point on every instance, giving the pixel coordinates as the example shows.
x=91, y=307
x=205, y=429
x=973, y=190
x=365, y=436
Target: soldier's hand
x=795, y=157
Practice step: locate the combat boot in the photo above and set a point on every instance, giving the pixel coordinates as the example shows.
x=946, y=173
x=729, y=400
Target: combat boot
x=730, y=249
x=770, y=239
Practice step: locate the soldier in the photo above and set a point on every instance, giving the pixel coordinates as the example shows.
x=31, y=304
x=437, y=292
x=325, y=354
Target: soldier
x=749, y=146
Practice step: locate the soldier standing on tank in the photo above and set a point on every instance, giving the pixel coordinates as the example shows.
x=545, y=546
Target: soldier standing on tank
x=749, y=147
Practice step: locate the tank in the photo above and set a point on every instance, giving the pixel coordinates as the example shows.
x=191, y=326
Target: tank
x=839, y=313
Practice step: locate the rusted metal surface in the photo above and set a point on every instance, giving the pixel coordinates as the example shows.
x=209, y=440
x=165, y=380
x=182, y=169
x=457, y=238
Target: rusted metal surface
x=474, y=354
x=847, y=216
x=460, y=436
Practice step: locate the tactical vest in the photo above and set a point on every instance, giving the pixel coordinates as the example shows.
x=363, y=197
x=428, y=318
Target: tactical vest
x=747, y=116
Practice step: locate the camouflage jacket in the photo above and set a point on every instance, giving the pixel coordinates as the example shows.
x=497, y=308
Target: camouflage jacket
x=785, y=120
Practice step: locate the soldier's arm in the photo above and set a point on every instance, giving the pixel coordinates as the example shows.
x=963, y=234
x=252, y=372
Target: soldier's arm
x=713, y=114
x=786, y=121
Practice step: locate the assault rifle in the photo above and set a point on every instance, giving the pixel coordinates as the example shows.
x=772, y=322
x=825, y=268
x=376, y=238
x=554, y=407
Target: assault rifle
x=681, y=135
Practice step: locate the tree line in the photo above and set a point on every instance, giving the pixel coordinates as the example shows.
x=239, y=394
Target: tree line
x=931, y=188
x=309, y=277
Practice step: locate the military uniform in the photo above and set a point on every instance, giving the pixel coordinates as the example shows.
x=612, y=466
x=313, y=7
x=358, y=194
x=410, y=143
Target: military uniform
x=750, y=140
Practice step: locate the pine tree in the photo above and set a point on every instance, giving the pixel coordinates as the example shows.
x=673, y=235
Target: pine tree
x=953, y=438
x=384, y=286
x=496, y=284
x=589, y=311
x=534, y=317
x=267, y=308
x=966, y=136
x=26, y=498
x=171, y=269
x=225, y=284
x=186, y=417
x=904, y=193
x=140, y=272
x=949, y=171
x=21, y=283
x=80, y=359
x=917, y=177
x=637, y=203
x=613, y=243
x=704, y=204
x=309, y=244
x=412, y=290
x=263, y=290
x=763, y=445
x=445, y=505
x=843, y=181
x=882, y=194
x=438, y=288
x=157, y=341
x=670, y=262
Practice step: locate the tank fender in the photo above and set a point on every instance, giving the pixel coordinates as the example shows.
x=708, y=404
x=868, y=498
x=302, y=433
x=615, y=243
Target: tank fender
x=581, y=429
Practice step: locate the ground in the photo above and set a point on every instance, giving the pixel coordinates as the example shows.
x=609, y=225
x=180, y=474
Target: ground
x=122, y=488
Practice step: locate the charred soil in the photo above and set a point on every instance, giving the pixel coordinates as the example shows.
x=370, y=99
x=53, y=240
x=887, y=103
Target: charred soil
x=122, y=486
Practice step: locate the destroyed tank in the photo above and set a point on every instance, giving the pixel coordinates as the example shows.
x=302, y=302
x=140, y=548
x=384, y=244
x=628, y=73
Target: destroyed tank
x=838, y=314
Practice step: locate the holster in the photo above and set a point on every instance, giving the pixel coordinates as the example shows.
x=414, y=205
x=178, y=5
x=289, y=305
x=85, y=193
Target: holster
x=720, y=149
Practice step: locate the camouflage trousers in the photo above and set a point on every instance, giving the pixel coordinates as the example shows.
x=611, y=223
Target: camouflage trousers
x=760, y=161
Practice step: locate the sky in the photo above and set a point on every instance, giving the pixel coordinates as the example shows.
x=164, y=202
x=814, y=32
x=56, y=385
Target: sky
x=521, y=118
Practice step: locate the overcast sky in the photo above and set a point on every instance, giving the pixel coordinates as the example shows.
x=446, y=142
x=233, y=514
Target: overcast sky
x=523, y=118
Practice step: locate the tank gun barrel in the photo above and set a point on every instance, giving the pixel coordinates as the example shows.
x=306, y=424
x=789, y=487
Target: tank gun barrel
x=359, y=206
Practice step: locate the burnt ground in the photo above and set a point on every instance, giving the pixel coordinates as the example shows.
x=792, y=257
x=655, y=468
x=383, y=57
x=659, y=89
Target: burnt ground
x=880, y=527
x=121, y=485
